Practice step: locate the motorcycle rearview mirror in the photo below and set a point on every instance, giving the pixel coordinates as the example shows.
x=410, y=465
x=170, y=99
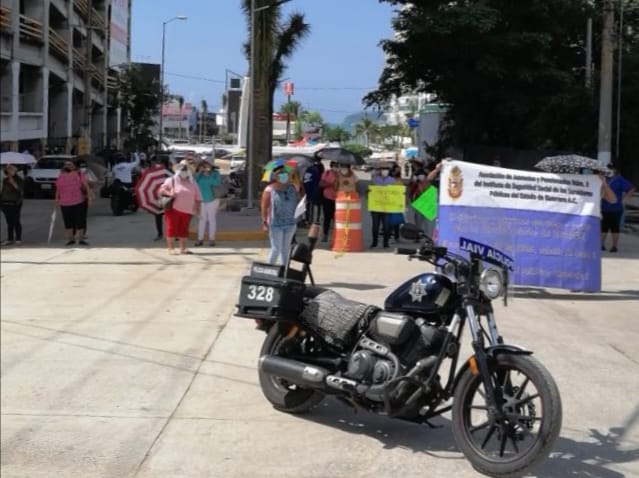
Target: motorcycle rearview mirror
x=410, y=231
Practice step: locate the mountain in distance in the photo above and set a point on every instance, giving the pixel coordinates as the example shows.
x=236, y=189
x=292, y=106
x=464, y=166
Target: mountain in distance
x=351, y=120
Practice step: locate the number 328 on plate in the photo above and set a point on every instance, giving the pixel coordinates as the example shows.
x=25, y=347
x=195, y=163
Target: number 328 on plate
x=260, y=293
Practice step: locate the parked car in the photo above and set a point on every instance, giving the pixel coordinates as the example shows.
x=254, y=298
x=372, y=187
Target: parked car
x=41, y=177
x=237, y=161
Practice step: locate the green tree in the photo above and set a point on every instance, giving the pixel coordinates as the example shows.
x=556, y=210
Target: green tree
x=204, y=107
x=293, y=107
x=357, y=148
x=367, y=128
x=180, y=99
x=275, y=41
x=140, y=100
x=508, y=69
x=336, y=134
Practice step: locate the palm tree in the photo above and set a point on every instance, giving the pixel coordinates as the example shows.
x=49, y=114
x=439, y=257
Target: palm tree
x=204, y=107
x=367, y=128
x=275, y=41
x=181, y=104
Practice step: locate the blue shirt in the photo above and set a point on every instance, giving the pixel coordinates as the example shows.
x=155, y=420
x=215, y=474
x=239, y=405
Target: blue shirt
x=283, y=205
x=207, y=184
x=383, y=180
x=619, y=186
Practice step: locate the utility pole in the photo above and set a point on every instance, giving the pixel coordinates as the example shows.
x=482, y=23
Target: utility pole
x=88, y=72
x=589, y=53
x=605, y=91
x=619, y=70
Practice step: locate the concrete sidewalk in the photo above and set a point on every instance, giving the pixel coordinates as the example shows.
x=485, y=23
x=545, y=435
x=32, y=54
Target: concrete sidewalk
x=121, y=361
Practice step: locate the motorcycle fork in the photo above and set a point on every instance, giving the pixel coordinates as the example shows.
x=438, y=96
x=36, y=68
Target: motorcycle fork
x=493, y=394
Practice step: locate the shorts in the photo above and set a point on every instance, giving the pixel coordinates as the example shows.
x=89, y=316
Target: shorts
x=611, y=221
x=74, y=216
x=177, y=223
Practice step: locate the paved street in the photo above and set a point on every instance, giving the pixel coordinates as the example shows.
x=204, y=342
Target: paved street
x=121, y=361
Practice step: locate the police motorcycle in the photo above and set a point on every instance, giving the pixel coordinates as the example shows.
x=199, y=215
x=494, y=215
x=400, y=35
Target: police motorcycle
x=403, y=361
x=123, y=196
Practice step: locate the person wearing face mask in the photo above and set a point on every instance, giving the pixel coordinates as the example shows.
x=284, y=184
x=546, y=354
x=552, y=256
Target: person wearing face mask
x=328, y=186
x=208, y=181
x=278, y=204
x=186, y=202
x=11, y=204
x=71, y=191
x=382, y=177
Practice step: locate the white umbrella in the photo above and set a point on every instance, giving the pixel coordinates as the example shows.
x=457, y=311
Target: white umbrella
x=51, y=226
x=11, y=157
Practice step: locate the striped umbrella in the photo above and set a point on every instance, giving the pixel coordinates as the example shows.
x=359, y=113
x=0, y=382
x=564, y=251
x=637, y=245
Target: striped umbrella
x=147, y=188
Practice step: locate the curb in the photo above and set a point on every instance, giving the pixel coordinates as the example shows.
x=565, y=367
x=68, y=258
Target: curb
x=233, y=235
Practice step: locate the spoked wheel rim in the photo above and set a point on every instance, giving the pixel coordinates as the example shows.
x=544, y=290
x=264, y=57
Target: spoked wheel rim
x=506, y=435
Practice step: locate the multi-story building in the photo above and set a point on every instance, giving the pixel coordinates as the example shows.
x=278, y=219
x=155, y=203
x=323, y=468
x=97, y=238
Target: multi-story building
x=57, y=76
x=179, y=121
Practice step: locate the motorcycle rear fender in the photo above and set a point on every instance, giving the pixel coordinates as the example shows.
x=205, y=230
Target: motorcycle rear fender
x=492, y=352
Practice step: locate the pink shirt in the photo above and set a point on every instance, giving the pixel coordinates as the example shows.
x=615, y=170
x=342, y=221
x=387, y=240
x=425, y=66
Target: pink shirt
x=68, y=187
x=327, y=184
x=186, y=193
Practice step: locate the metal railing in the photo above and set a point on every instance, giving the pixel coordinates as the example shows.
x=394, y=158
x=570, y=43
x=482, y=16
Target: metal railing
x=113, y=82
x=98, y=77
x=83, y=7
x=58, y=44
x=5, y=18
x=30, y=29
x=79, y=62
x=98, y=21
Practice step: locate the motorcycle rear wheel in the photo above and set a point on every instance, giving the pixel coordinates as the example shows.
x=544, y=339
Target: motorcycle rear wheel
x=511, y=446
x=284, y=396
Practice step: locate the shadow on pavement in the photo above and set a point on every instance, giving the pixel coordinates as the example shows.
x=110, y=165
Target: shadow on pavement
x=611, y=295
x=569, y=458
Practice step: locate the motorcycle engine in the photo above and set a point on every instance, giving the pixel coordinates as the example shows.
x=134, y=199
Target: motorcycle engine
x=366, y=367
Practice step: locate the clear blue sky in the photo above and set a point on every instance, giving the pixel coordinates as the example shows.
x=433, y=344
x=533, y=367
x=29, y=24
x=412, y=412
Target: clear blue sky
x=341, y=52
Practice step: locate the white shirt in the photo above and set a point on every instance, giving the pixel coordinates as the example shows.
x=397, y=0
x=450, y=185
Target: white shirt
x=123, y=171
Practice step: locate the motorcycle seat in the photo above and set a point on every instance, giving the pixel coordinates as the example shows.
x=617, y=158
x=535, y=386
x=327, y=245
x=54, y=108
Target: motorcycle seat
x=335, y=318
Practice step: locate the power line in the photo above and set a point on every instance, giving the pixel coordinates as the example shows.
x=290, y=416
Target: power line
x=307, y=88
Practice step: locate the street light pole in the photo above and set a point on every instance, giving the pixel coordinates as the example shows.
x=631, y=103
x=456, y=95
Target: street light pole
x=161, y=135
x=250, y=160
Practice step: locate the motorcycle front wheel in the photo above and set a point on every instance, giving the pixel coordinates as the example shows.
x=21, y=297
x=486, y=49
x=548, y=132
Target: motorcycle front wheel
x=285, y=396
x=512, y=442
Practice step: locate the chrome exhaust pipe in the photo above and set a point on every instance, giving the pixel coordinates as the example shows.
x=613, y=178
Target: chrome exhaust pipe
x=293, y=371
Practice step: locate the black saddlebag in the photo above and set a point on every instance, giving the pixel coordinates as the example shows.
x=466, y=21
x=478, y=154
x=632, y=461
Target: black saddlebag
x=336, y=319
x=273, y=298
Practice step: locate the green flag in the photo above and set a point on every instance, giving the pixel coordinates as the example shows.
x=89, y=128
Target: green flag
x=426, y=203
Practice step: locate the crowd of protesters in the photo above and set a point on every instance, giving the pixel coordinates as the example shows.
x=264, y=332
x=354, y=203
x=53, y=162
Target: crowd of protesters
x=197, y=188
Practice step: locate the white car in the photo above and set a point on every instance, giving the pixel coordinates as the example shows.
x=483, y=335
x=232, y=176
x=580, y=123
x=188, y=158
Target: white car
x=41, y=177
x=237, y=161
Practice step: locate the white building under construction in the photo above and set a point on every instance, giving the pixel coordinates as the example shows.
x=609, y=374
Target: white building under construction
x=57, y=78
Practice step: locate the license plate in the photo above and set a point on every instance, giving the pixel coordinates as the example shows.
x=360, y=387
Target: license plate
x=264, y=295
x=45, y=186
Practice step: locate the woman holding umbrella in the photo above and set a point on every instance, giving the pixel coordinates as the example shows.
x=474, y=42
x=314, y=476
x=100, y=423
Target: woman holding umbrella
x=278, y=204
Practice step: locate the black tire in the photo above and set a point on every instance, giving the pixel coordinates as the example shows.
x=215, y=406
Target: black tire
x=524, y=417
x=283, y=396
x=116, y=204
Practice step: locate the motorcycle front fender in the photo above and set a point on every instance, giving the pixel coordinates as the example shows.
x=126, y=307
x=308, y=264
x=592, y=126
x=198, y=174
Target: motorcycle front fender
x=491, y=352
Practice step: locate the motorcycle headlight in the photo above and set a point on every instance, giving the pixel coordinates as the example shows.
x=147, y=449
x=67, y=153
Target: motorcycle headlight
x=491, y=283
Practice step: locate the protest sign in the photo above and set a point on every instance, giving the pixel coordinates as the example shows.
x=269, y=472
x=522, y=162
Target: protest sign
x=548, y=223
x=389, y=198
x=426, y=203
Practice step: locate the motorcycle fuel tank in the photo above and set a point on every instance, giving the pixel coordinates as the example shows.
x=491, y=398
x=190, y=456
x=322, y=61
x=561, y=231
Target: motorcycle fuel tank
x=422, y=295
